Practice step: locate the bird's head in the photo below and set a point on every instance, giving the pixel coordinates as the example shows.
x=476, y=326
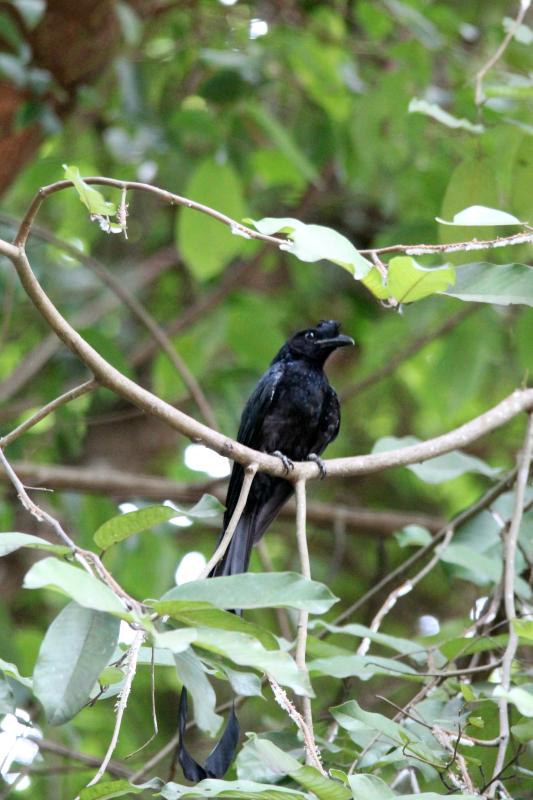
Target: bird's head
x=317, y=343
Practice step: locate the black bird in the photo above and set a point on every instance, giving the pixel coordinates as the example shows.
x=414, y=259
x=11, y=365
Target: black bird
x=293, y=413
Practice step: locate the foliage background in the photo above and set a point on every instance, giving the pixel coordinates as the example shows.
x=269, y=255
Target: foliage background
x=309, y=120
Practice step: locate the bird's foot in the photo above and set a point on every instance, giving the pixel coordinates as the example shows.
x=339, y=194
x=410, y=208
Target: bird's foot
x=288, y=465
x=320, y=464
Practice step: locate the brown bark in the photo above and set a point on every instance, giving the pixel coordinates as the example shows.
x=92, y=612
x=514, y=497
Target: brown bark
x=75, y=42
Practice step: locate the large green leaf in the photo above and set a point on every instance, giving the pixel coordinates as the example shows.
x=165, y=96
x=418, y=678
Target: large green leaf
x=252, y=590
x=355, y=719
x=124, y=525
x=205, y=244
x=407, y=281
x=315, y=242
x=281, y=137
x=246, y=651
x=439, y=469
x=200, y=613
x=74, y=582
x=279, y=763
x=479, y=216
x=501, y=284
x=369, y=787
x=230, y=790
x=76, y=648
x=192, y=675
x=9, y=542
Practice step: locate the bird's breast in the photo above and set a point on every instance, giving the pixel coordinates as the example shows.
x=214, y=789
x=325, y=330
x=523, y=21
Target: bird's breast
x=292, y=421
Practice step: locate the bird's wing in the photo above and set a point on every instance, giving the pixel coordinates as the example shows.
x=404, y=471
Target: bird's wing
x=257, y=406
x=330, y=420
x=250, y=428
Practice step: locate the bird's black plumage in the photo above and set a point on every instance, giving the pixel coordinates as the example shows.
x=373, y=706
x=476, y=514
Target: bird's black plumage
x=292, y=411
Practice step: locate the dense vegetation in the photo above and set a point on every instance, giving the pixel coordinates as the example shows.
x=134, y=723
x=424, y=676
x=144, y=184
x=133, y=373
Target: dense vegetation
x=332, y=128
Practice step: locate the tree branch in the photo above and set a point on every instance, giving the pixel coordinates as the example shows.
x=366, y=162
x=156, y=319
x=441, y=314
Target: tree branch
x=249, y=475
x=510, y=547
x=312, y=752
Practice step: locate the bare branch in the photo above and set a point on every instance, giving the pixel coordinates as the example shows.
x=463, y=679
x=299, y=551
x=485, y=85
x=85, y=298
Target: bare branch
x=404, y=588
x=107, y=375
x=120, y=484
x=312, y=753
x=49, y=408
x=479, y=96
x=122, y=702
x=510, y=547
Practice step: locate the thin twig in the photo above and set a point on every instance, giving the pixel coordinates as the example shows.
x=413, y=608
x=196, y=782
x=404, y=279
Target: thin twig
x=510, y=547
x=303, y=616
x=122, y=702
x=49, y=408
x=312, y=752
x=404, y=588
x=249, y=474
x=47, y=745
x=479, y=95
x=409, y=350
x=483, y=502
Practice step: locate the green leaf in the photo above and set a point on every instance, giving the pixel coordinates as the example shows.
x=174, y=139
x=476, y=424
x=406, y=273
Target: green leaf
x=7, y=697
x=369, y=787
x=433, y=110
x=501, y=284
x=400, y=645
x=524, y=628
x=281, y=137
x=200, y=613
x=353, y=718
x=109, y=789
x=176, y=641
x=279, y=763
x=519, y=697
x=253, y=590
x=523, y=731
x=482, y=569
x=124, y=525
x=407, y=281
x=315, y=242
x=248, y=652
x=413, y=535
x=361, y=667
x=439, y=469
x=77, y=584
x=192, y=675
x=205, y=244
x=9, y=542
x=13, y=672
x=321, y=787
x=77, y=646
x=91, y=198
x=230, y=790
x=479, y=216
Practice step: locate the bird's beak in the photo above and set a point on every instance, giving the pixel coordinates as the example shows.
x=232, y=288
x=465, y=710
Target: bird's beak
x=337, y=341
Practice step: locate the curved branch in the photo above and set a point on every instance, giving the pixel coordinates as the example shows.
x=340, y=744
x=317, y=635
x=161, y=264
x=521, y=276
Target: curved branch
x=108, y=376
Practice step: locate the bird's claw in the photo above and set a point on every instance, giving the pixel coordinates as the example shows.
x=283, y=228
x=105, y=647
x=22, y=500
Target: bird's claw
x=320, y=464
x=288, y=465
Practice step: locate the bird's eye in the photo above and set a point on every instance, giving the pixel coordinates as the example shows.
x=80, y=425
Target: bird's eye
x=310, y=335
